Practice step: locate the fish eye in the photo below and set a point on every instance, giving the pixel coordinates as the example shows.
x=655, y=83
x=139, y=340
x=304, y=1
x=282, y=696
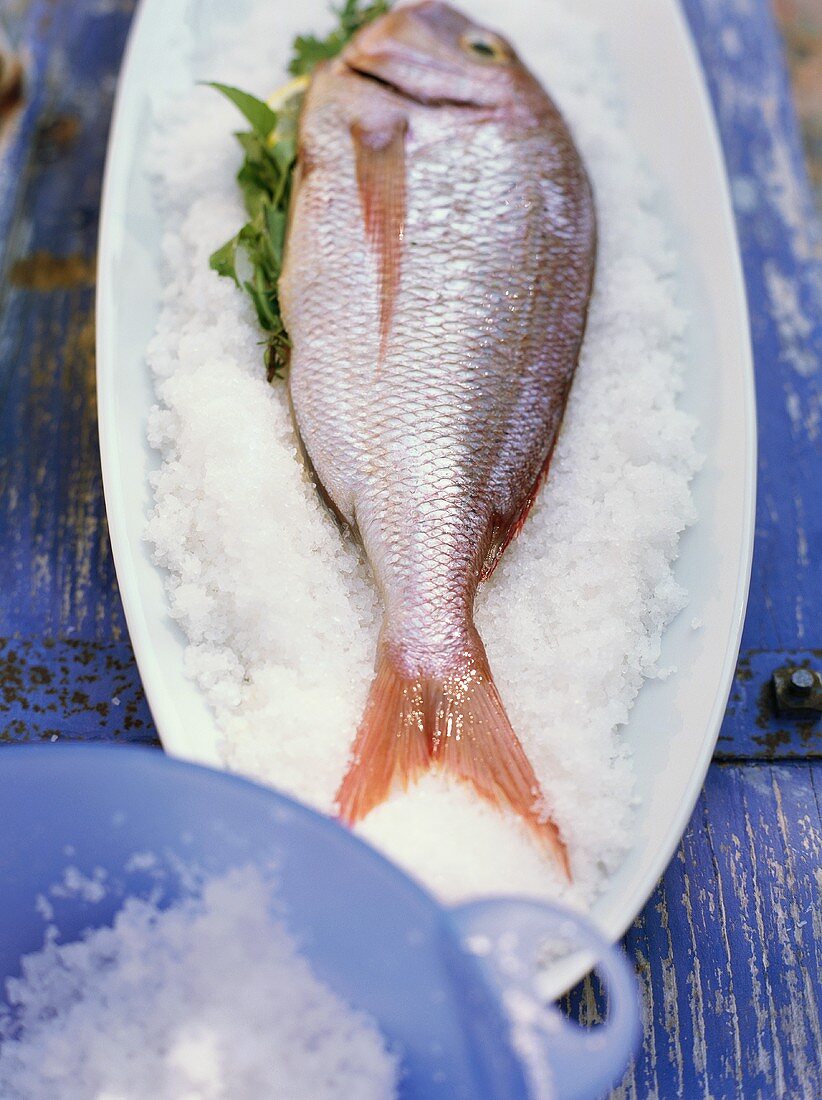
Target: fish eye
x=485, y=46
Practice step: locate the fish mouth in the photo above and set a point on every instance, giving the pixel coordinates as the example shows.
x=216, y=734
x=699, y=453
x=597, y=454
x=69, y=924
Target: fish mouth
x=419, y=97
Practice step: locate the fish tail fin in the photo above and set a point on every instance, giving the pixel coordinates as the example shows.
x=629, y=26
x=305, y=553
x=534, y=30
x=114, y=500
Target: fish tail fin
x=474, y=741
x=391, y=746
x=457, y=725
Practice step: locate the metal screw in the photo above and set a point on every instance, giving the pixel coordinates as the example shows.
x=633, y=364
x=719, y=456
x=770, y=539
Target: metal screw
x=798, y=692
x=802, y=681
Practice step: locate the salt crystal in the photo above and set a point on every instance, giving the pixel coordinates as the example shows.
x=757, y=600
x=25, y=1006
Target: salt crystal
x=208, y=998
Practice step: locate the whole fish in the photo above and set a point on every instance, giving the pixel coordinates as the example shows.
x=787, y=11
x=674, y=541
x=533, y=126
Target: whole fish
x=439, y=265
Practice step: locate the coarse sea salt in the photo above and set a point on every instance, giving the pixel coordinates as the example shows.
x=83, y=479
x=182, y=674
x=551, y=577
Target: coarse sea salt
x=279, y=610
x=208, y=999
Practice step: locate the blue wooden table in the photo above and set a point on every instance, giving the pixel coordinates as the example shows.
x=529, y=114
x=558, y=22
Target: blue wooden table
x=728, y=947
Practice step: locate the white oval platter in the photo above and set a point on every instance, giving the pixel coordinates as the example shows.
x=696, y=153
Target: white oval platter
x=674, y=724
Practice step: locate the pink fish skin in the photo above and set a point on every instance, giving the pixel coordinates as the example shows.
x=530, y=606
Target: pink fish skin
x=439, y=265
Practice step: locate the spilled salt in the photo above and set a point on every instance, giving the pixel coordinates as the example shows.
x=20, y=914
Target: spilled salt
x=279, y=610
x=207, y=999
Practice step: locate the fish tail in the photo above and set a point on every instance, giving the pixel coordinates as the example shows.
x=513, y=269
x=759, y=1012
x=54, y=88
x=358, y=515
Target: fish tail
x=391, y=746
x=456, y=725
x=473, y=741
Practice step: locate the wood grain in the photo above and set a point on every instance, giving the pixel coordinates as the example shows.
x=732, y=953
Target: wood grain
x=729, y=948
x=56, y=572
x=780, y=240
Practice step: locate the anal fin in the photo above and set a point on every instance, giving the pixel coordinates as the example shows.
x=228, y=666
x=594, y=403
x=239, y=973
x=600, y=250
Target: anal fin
x=505, y=531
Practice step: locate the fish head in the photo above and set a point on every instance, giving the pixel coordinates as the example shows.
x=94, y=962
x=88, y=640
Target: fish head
x=432, y=54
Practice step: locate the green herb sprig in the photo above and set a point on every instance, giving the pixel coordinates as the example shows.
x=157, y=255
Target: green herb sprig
x=253, y=257
x=310, y=50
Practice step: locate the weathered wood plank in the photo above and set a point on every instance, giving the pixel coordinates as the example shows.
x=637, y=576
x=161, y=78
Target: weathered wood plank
x=779, y=235
x=728, y=947
x=56, y=572
x=71, y=690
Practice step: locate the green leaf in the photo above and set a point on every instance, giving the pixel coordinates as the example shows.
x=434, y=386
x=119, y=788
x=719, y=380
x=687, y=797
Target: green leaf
x=309, y=50
x=285, y=152
x=275, y=221
x=258, y=113
x=265, y=315
x=224, y=260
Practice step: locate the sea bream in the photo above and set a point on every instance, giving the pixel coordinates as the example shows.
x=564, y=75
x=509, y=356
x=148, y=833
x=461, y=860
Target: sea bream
x=439, y=265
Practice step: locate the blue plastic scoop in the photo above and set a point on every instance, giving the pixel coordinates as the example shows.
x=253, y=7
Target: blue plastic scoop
x=434, y=979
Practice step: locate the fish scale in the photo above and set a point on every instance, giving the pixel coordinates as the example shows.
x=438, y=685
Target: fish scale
x=435, y=288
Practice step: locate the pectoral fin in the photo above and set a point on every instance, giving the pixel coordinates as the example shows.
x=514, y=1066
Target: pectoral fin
x=380, y=165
